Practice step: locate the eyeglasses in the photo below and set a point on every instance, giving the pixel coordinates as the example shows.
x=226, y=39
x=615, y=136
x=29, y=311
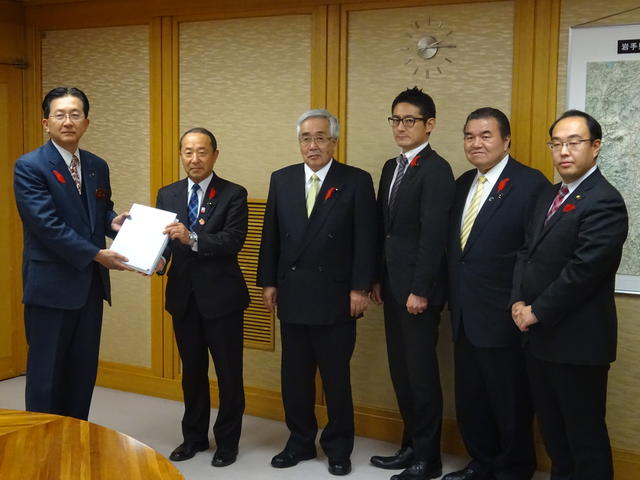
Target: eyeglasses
x=320, y=140
x=572, y=145
x=406, y=121
x=73, y=116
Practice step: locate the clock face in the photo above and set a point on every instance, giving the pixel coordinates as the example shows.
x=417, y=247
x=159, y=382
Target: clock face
x=429, y=47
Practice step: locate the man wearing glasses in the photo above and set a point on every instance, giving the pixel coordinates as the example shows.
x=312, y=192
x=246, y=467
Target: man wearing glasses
x=317, y=266
x=63, y=196
x=414, y=201
x=563, y=299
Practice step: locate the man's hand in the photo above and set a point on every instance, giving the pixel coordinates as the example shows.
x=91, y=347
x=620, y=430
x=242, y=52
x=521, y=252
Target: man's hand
x=112, y=260
x=416, y=304
x=376, y=294
x=359, y=302
x=516, y=308
x=160, y=265
x=270, y=297
x=117, y=222
x=524, y=317
x=179, y=231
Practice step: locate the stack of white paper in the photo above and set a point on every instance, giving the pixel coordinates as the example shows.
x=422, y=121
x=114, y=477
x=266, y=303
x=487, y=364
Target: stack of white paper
x=141, y=239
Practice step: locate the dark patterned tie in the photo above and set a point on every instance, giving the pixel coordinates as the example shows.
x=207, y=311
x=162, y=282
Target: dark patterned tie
x=555, y=205
x=73, y=169
x=193, y=206
x=402, y=168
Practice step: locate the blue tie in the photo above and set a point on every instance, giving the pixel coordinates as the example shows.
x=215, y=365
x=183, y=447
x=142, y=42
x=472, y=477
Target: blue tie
x=193, y=206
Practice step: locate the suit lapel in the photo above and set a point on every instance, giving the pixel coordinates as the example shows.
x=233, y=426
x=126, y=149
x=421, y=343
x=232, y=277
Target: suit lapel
x=180, y=199
x=492, y=204
x=409, y=178
x=324, y=203
x=573, y=199
x=89, y=178
x=58, y=164
x=210, y=200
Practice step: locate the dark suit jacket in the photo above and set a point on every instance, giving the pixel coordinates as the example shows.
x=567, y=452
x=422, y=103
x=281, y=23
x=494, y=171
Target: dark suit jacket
x=212, y=273
x=567, y=273
x=481, y=276
x=315, y=262
x=415, y=234
x=61, y=235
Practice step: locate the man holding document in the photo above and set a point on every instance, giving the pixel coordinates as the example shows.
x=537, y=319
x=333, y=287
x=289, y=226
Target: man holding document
x=206, y=294
x=63, y=196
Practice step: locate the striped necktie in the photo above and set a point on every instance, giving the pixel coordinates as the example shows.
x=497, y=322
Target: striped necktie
x=402, y=168
x=193, y=206
x=472, y=211
x=557, y=201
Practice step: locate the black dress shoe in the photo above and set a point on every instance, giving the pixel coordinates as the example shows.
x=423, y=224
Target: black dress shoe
x=467, y=474
x=187, y=450
x=419, y=471
x=402, y=459
x=224, y=457
x=287, y=458
x=339, y=467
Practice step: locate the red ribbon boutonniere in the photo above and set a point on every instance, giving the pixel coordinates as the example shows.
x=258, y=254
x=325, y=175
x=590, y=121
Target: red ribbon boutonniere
x=59, y=176
x=503, y=183
x=568, y=207
x=415, y=162
x=212, y=193
x=330, y=193
x=101, y=193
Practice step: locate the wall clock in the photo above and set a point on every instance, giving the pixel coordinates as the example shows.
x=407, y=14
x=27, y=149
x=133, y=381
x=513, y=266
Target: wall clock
x=429, y=49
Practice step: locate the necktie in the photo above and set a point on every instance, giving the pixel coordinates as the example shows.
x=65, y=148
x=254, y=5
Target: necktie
x=73, y=169
x=193, y=206
x=472, y=211
x=555, y=205
x=313, y=193
x=402, y=168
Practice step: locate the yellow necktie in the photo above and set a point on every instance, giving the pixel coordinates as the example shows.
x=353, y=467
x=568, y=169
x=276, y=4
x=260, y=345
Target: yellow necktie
x=472, y=211
x=313, y=193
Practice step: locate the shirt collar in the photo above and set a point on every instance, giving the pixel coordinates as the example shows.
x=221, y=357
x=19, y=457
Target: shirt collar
x=573, y=185
x=204, y=184
x=322, y=173
x=412, y=153
x=66, y=154
x=493, y=174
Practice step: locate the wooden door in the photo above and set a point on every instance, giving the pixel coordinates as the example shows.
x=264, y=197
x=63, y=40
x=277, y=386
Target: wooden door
x=12, y=340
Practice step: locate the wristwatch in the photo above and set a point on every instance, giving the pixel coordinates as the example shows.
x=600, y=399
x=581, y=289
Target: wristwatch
x=193, y=238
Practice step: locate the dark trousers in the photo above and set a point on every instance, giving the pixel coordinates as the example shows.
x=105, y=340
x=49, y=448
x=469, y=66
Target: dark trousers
x=328, y=348
x=62, y=362
x=413, y=364
x=494, y=409
x=196, y=336
x=570, y=403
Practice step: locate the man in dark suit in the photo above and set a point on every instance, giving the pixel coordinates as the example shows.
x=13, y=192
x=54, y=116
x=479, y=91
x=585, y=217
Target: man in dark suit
x=64, y=200
x=206, y=294
x=493, y=203
x=414, y=202
x=563, y=298
x=317, y=266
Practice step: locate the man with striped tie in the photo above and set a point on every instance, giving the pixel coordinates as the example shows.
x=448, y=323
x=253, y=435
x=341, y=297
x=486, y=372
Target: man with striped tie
x=206, y=294
x=63, y=196
x=414, y=202
x=563, y=299
x=492, y=206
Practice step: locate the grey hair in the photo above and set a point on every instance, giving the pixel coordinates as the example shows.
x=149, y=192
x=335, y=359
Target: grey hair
x=334, y=126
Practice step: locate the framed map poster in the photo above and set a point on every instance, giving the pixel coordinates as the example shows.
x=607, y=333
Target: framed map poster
x=603, y=79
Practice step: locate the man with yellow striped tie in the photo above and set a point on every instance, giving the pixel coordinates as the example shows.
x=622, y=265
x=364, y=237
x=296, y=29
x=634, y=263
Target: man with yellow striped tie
x=492, y=206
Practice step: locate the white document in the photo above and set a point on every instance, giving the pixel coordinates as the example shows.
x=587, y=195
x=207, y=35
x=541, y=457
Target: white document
x=141, y=239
